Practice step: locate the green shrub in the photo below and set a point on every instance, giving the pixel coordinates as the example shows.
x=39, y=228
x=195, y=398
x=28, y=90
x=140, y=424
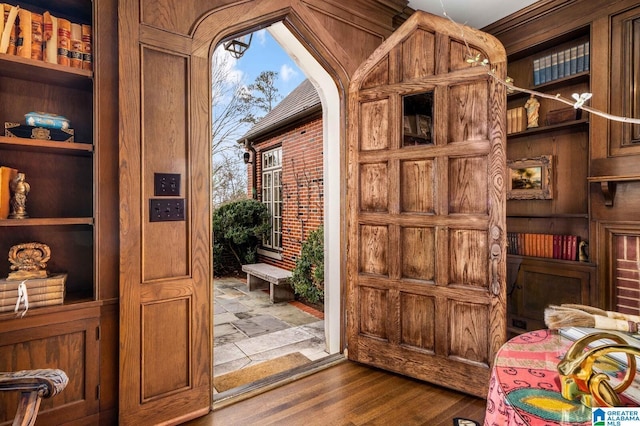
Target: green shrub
x=238, y=228
x=308, y=274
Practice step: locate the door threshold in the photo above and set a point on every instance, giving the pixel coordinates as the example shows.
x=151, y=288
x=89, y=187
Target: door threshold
x=226, y=398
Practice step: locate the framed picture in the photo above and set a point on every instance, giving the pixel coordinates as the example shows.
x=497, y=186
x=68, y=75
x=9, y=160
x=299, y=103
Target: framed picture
x=530, y=178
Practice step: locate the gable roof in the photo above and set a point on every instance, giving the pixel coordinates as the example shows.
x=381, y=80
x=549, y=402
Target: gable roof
x=300, y=103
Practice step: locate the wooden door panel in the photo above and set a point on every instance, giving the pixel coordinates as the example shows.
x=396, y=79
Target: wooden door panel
x=426, y=251
x=375, y=134
x=417, y=55
x=165, y=267
x=418, y=253
x=374, y=250
x=374, y=181
x=417, y=321
x=416, y=186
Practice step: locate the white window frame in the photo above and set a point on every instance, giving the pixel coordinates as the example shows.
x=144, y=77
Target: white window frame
x=272, y=197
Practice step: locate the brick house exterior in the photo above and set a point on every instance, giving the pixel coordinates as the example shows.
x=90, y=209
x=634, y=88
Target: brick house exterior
x=288, y=138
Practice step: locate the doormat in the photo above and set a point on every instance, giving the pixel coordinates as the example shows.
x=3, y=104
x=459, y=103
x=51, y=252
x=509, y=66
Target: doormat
x=464, y=422
x=256, y=372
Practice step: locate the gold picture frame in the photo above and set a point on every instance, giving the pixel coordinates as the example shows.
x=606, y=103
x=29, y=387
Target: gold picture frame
x=530, y=178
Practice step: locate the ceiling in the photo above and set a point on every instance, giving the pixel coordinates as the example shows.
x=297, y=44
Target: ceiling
x=474, y=13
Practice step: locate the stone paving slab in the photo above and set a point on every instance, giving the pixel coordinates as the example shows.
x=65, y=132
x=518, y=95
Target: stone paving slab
x=249, y=329
x=274, y=340
x=256, y=325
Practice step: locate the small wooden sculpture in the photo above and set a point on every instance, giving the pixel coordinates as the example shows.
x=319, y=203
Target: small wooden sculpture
x=20, y=189
x=29, y=260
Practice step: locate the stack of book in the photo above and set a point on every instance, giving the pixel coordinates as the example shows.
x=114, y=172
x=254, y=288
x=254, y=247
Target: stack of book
x=560, y=64
x=40, y=292
x=553, y=246
x=44, y=37
x=516, y=120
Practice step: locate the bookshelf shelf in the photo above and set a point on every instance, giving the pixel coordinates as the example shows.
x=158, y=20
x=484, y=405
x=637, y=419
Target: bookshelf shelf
x=39, y=71
x=579, y=78
x=547, y=129
x=68, y=148
x=63, y=221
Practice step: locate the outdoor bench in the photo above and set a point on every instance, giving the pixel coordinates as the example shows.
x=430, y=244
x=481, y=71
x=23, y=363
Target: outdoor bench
x=262, y=276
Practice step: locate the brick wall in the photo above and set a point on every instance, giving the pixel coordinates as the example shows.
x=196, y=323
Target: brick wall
x=627, y=273
x=303, y=184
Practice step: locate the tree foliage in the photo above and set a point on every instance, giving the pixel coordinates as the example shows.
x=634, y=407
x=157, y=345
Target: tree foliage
x=235, y=106
x=238, y=229
x=308, y=274
x=263, y=95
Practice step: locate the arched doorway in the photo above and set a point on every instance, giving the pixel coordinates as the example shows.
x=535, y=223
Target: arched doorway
x=241, y=326
x=169, y=47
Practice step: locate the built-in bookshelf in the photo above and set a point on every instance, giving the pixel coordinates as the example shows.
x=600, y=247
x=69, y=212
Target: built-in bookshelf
x=548, y=239
x=41, y=75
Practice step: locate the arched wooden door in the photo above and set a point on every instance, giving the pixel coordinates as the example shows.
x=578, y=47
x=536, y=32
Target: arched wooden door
x=426, y=205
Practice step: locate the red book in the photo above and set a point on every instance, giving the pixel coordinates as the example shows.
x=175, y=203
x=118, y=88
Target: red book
x=565, y=247
x=573, y=247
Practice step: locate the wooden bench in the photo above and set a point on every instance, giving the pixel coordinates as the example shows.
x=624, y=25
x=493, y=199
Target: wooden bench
x=262, y=276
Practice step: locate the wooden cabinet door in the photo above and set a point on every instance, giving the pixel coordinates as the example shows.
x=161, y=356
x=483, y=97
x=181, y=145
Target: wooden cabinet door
x=426, y=215
x=67, y=339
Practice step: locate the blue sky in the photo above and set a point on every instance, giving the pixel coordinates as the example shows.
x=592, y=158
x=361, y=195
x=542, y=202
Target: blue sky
x=265, y=54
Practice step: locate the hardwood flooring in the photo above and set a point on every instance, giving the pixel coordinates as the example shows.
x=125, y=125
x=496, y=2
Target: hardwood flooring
x=350, y=394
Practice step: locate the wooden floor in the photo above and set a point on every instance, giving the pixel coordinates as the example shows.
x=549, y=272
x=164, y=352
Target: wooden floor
x=350, y=394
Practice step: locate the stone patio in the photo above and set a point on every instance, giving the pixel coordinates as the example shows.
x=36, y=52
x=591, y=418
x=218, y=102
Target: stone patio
x=249, y=329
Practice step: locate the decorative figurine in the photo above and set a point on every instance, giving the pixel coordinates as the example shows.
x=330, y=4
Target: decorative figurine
x=583, y=251
x=532, y=106
x=20, y=189
x=28, y=261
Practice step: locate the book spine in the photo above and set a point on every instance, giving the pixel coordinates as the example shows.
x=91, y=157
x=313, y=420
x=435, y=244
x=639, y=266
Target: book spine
x=554, y=66
x=50, y=37
x=34, y=304
x=12, y=292
x=36, y=36
x=580, y=59
x=8, y=40
x=10, y=300
x=561, y=64
x=64, y=41
x=536, y=72
x=587, y=55
x=23, y=38
x=547, y=68
x=75, y=52
x=556, y=246
x=567, y=62
x=573, y=254
x=574, y=60
x=87, y=58
x=7, y=174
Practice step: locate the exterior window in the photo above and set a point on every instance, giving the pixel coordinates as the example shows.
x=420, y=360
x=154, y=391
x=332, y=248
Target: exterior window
x=272, y=196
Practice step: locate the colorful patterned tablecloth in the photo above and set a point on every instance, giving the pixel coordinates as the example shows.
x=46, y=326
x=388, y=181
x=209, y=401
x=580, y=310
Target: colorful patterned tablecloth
x=525, y=385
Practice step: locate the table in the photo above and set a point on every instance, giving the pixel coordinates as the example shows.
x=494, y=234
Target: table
x=525, y=386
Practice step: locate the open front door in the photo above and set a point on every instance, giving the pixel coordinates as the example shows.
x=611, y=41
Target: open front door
x=426, y=205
